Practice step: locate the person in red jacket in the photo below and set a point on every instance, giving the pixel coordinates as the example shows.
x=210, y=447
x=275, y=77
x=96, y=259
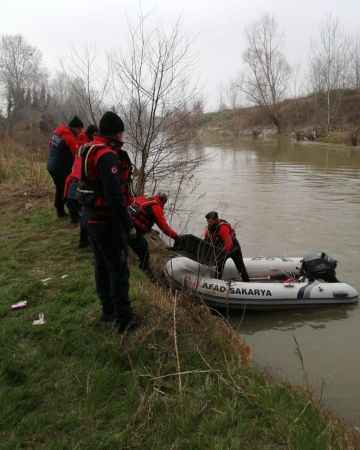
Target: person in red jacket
x=222, y=236
x=144, y=213
x=63, y=146
x=71, y=183
x=102, y=191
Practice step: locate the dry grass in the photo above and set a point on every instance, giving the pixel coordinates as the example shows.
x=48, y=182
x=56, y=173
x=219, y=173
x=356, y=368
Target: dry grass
x=24, y=168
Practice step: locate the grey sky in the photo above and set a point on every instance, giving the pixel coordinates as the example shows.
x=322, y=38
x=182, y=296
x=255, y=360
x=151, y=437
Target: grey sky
x=55, y=26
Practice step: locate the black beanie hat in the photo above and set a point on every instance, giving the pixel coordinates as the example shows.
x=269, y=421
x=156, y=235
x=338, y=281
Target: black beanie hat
x=91, y=130
x=75, y=122
x=162, y=196
x=111, y=124
x=212, y=215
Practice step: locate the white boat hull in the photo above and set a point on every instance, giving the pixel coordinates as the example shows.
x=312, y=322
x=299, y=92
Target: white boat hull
x=261, y=294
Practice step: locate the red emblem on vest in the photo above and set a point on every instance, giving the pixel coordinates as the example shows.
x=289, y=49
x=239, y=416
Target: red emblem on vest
x=114, y=170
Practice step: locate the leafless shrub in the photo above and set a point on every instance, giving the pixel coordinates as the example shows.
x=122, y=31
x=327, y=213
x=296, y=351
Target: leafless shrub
x=21, y=75
x=329, y=66
x=265, y=82
x=152, y=82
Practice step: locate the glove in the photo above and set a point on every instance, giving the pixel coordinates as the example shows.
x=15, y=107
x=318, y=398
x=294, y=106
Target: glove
x=177, y=242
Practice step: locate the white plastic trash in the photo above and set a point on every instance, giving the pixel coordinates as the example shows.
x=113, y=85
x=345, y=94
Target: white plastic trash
x=40, y=321
x=19, y=305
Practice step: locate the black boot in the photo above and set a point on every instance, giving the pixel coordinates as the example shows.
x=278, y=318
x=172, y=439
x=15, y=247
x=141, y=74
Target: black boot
x=107, y=318
x=61, y=213
x=128, y=323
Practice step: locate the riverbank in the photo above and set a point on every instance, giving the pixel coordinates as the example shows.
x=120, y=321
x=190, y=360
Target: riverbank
x=182, y=380
x=304, y=119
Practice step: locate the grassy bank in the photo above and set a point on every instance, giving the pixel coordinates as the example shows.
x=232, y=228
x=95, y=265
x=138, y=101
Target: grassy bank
x=304, y=118
x=180, y=381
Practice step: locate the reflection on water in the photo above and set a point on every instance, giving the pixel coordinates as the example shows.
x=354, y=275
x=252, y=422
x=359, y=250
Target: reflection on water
x=253, y=322
x=285, y=199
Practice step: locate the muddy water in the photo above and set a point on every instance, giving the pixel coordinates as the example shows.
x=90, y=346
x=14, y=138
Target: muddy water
x=285, y=199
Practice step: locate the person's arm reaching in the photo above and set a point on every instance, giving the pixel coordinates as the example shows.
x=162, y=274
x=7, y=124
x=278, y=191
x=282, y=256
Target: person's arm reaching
x=162, y=223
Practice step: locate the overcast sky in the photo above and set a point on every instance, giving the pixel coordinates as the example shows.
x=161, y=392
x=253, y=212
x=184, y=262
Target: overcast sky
x=216, y=26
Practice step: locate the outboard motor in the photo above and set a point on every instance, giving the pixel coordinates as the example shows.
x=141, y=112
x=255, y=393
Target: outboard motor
x=318, y=265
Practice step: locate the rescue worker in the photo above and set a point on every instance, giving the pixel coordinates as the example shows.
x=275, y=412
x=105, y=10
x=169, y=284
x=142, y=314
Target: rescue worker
x=63, y=146
x=103, y=190
x=71, y=184
x=222, y=236
x=70, y=189
x=84, y=241
x=144, y=213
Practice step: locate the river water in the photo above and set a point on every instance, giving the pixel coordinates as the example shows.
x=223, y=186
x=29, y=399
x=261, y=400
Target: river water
x=284, y=199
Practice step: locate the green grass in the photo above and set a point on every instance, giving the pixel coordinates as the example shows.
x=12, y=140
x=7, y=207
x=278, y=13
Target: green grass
x=71, y=384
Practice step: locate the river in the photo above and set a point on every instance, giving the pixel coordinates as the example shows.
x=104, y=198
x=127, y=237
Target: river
x=284, y=199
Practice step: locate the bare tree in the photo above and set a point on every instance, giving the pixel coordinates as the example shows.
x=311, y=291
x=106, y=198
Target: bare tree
x=221, y=98
x=233, y=94
x=355, y=62
x=89, y=80
x=20, y=72
x=152, y=80
x=77, y=89
x=265, y=81
x=329, y=66
x=63, y=103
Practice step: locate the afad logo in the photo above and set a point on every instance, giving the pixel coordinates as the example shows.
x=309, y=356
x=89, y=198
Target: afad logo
x=237, y=291
x=191, y=282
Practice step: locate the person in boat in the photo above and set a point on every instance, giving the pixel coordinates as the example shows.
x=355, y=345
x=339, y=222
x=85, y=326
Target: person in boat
x=145, y=212
x=63, y=146
x=222, y=237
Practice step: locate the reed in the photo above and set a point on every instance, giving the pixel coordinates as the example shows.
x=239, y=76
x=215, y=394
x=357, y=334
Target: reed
x=24, y=168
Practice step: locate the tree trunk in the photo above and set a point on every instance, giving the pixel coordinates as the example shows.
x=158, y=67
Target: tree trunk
x=328, y=111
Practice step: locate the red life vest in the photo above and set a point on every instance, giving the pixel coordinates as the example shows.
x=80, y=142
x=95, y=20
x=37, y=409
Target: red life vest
x=63, y=146
x=213, y=234
x=141, y=213
x=74, y=175
x=90, y=190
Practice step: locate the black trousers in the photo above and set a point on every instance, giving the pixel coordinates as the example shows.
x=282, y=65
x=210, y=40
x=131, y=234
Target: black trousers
x=84, y=240
x=59, y=202
x=141, y=248
x=111, y=269
x=237, y=257
x=74, y=210
x=72, y=203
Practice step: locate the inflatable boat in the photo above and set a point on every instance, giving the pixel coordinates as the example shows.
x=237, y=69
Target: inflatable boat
x=275, y=283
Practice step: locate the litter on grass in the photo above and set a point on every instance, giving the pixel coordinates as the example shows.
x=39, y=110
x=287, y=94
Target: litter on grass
x=19, y=305
x=40, y=321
